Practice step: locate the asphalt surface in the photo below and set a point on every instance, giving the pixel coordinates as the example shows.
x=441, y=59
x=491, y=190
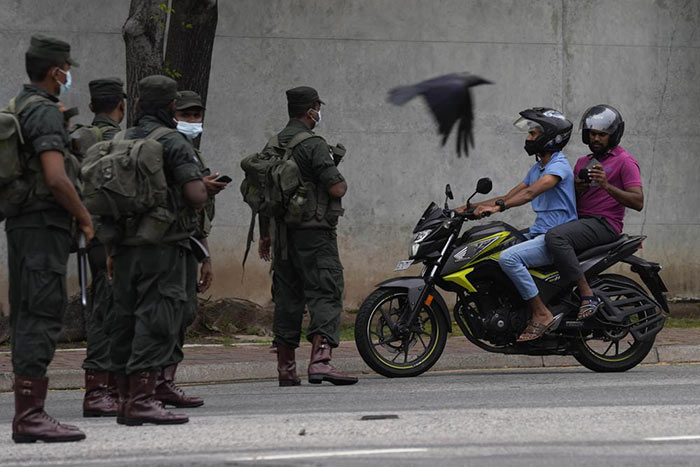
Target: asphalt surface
x=548, y=416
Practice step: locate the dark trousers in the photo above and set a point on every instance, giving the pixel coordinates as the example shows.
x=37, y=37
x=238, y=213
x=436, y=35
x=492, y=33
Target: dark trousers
x=97, y=323
x=566, y=240
x=37, y=260
x=311, y=276
x=190, y=310
x=149, y=305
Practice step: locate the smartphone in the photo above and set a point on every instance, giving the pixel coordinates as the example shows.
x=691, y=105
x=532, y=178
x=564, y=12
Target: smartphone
x=592, y=163
x=223, y=179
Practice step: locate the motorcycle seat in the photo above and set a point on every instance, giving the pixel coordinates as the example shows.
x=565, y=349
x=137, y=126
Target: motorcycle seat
x=602, y=249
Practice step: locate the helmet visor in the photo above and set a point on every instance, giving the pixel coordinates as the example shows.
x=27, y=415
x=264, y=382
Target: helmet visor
x=524, y=124
x=600, y=119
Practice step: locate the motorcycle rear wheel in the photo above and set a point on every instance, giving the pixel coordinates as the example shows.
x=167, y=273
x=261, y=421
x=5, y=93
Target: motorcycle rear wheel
x=388, y=355
x=588, y=348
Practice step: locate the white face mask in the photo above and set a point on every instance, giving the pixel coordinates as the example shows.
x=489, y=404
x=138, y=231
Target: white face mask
x=191, y=130
x=318, y=122
x=65, y=87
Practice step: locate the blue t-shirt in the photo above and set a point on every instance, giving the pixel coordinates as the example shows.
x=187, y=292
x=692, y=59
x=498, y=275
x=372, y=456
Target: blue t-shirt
x=558, y=204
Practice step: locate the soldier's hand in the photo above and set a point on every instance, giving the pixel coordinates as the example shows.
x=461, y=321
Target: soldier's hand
x=110, y=267
x=264, y=248
x=88, y=229
x=213, y=188
x=206, y=276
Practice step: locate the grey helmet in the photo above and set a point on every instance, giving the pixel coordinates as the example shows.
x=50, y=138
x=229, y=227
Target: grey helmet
x=603, y=118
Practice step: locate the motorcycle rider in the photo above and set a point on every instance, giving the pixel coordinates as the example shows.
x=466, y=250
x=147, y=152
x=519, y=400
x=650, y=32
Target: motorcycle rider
x=549, y=185
x=612, y=183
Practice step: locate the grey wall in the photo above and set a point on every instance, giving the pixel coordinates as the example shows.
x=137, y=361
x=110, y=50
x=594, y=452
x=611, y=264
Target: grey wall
x=639, y=55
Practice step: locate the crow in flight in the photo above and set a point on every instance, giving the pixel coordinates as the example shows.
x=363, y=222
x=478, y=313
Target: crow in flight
x=449, y=99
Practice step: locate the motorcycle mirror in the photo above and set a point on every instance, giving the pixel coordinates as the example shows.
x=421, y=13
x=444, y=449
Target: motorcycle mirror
x=448, y=191
x=484, y=185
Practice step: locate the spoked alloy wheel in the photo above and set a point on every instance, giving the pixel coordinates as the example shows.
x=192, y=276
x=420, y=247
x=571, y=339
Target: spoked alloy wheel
x=392, y=356
x=614, y=349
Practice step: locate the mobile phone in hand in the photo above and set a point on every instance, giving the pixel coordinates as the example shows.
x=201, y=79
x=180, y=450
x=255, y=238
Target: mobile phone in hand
x=223, y=179
x=593, y=163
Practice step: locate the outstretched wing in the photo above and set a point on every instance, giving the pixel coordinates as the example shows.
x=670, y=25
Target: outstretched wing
x=449, y=99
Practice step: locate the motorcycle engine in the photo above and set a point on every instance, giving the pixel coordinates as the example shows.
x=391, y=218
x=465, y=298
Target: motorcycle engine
x=493, y=318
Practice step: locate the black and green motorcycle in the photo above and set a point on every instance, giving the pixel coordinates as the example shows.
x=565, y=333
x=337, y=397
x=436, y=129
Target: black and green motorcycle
x=402, y=327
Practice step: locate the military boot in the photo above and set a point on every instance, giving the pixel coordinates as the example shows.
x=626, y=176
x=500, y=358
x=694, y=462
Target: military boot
x=31, y=423
x=142, y=407
x=98, y=401
x=287, y=366
x=170, y=394
x=112, y=386
x=320, y=368
x=122, y=382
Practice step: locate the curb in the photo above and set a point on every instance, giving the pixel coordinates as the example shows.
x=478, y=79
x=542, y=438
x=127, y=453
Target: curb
x=245, y=371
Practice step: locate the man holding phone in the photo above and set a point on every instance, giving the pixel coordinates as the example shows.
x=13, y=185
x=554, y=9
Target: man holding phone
x=607, y=181
x=189, y=114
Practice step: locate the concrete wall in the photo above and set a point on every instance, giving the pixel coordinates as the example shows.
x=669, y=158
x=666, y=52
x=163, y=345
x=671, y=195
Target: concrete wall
x=639, y=55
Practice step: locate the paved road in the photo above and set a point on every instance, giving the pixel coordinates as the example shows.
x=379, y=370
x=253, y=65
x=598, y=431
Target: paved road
x=498, y=417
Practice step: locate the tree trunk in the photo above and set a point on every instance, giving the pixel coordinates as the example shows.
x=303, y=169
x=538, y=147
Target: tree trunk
x=144, y=36
x=190, y=44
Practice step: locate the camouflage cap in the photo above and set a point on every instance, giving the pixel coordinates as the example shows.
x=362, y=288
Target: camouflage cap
x=157, y=90
x=51, y=48
x=187, y=100
x=106, y=88
x=302, y=95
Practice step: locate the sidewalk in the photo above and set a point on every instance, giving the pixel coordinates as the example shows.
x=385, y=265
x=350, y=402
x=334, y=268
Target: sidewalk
x=239, y=362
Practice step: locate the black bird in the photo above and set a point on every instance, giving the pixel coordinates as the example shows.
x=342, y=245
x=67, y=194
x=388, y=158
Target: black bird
x=449, y=99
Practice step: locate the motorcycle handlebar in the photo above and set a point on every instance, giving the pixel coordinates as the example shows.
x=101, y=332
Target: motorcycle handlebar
x=469, y=214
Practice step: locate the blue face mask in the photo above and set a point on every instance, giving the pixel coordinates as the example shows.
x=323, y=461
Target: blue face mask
x=191, y=130
x=65, y=87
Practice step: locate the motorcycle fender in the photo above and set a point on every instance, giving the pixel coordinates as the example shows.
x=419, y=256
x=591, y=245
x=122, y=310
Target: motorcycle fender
x=649, y=273
x=414, y=286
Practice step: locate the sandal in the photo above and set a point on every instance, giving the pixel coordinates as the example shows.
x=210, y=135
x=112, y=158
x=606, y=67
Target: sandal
x=535, y=330
x=589, y=309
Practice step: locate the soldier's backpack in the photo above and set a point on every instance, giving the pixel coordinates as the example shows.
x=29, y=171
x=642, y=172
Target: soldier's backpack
x=125, y=177
x=272, y=178
x=13, y=188
x=83, y=137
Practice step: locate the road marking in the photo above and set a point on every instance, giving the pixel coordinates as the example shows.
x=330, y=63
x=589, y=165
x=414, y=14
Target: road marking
x=673, y=438
x=309, y=455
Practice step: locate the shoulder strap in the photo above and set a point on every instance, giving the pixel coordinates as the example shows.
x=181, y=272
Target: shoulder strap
x=25, y=103
x=159, y=132
x=120, y=135
x=100, y=133
x=295, y=141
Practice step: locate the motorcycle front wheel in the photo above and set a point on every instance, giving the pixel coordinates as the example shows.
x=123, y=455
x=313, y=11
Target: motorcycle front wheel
x=391, y=356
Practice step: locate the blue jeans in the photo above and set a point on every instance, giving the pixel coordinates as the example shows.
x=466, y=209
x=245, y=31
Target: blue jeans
x=516, y=260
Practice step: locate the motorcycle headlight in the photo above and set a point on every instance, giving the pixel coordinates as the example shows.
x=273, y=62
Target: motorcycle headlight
x=416, y=241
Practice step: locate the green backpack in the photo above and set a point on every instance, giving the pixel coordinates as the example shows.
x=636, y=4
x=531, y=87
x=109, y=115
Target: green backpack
x=125, y=177
x=13, y=188
x=272, y=178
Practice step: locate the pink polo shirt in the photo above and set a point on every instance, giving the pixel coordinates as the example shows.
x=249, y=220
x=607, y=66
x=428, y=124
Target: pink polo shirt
x=623, y=172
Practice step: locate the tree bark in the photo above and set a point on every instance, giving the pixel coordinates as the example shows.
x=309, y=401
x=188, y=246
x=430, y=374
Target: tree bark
x=191, y=44
x=144, y=36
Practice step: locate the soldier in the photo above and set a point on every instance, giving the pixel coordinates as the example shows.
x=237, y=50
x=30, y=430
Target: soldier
x=107, y=103
x=306, y=266
x=150, y=279
x=39, y=238
x=189, y=114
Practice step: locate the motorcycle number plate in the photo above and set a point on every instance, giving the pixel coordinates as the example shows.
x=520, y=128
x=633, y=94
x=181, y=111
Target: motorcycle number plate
x=405, y=264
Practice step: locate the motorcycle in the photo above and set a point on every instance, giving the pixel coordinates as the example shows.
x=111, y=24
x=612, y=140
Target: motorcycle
x=402, y=326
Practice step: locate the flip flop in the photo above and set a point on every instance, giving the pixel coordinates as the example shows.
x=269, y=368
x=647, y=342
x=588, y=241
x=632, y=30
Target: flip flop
x=535, y=330
x=590, y=308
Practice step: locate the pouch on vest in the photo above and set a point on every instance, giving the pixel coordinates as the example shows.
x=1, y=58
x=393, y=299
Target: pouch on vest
x=125, y=177
x=13, y=188
x=272, y=179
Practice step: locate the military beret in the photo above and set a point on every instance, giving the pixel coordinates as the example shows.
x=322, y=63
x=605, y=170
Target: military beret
x=187, y=100
x=106, y=88
x=51, y=48
x=157, y=90
x=302, y=95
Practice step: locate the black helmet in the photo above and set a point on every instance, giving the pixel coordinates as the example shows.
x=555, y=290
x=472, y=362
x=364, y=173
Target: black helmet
x=603, y=118
x=556, y=129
